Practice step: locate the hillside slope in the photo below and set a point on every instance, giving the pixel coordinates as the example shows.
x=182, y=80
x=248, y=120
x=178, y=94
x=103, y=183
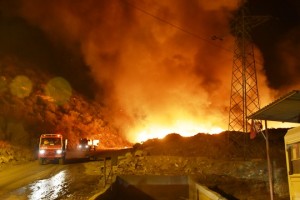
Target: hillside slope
x=27, y=109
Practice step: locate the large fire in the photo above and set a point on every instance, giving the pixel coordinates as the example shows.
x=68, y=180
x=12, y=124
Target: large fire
x=184, y=128
x=162, y=66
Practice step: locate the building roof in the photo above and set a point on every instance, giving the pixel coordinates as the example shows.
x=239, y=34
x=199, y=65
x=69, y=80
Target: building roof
x=284, y=109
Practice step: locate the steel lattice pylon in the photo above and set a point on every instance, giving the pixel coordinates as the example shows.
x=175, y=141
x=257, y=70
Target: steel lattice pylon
x=244, y=99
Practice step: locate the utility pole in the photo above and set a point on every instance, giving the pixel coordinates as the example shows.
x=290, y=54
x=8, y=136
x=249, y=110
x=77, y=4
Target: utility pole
x=244, y=99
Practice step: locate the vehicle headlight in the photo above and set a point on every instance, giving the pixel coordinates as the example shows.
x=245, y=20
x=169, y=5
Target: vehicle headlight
x=42, y=151
x=86, y=146
x=59, y=151
x=79, y=146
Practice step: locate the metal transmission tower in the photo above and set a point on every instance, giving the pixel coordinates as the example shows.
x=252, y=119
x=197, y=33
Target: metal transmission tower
x=244, y=98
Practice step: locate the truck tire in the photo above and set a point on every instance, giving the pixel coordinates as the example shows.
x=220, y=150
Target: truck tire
x=42, y=161
x=61, y=161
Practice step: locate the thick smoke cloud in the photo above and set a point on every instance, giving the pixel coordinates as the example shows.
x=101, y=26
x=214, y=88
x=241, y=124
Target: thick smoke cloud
x=279, y=42
x=158, y=65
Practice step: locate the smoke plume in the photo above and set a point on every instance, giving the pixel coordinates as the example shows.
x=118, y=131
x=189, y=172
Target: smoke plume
x=159, y=66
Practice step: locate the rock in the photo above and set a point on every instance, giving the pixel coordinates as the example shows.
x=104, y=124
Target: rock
x=138, y=153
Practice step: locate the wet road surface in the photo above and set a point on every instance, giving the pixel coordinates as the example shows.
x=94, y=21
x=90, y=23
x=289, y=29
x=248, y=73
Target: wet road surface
x=51, y=181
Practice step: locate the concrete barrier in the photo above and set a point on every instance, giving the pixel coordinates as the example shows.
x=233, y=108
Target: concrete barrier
x=157, y=187
x=200, y=192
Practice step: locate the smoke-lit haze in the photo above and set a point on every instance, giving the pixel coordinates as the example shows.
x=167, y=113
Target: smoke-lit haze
x=159, y=66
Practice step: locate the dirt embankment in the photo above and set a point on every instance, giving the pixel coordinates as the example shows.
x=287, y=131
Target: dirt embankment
x=213, y=161
x=14, y=154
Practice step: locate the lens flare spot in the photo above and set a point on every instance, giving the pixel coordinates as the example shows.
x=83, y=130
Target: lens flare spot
x=58, y=90
x=21, y=86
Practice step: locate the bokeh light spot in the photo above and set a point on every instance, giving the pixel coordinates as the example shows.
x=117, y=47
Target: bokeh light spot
x=21, y=86
x=59, y=90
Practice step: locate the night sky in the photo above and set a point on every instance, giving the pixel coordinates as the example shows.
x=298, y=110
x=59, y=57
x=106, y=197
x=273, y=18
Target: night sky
x=278, y=39
x=152, y=61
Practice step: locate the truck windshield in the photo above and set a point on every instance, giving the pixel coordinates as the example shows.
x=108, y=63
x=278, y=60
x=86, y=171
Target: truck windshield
x=50, y=141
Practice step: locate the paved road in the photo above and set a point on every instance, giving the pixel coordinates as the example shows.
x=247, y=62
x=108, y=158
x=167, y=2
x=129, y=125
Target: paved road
x=52, y=181
x=15, y=177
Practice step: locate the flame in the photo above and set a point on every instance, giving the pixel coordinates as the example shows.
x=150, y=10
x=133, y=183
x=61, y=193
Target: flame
x=159, y=130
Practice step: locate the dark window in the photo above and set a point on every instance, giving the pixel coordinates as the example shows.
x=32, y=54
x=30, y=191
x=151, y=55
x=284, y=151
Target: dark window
x=294, y=158
x=50, y=141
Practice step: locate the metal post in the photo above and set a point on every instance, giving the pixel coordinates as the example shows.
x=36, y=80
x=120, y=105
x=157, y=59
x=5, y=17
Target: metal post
x=104, y=166
x=270, y=171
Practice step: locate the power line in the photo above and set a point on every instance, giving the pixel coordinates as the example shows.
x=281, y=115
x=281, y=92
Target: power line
x=214, y=37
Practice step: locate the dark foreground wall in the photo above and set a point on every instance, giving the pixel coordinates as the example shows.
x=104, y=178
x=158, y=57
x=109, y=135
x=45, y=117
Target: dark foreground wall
x=147, y=188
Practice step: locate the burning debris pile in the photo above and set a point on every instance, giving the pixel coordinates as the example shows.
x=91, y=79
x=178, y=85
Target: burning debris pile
x=218, y=146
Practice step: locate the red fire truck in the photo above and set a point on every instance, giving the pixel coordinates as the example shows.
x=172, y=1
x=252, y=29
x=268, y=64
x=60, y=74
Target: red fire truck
x=52, y=147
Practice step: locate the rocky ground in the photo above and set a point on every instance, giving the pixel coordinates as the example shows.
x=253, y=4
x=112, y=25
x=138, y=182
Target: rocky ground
x=212, y=161
x=10, y=154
